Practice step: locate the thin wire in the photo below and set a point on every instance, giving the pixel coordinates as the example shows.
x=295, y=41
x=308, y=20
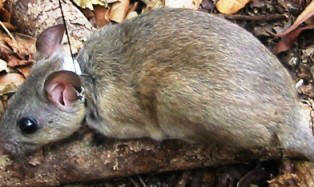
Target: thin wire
x=67, y=33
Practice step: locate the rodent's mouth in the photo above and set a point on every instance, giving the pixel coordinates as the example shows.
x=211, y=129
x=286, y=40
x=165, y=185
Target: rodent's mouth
x=16, y=149
x=9, y=149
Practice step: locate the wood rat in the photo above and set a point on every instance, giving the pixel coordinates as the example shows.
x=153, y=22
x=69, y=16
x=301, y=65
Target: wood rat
x=167, y=74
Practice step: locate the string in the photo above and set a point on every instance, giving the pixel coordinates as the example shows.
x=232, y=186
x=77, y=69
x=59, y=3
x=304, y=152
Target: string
x=67, y=33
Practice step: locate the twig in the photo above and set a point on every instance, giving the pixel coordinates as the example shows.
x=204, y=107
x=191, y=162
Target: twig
x=141, y=180
x=183, y=179
x=133, y=182
x=256, y=18
x=7, y=31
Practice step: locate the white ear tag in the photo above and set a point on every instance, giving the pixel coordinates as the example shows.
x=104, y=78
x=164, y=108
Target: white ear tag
x=69, y=65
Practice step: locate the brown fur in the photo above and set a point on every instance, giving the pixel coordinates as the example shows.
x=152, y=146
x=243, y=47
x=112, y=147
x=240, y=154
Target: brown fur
x=183, y=74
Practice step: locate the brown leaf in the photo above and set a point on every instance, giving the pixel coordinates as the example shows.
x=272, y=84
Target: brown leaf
x=257, y=3
x=107, y=16
x=131, y=15
x=19, y=52
x=5, y=15
x=119, y=11
x=3, y=66
x=9, y=82
x=7, y=88
x=9, y=26
x=192, y=4
x=151, y=4
x=14, y=61
x=8, y=78
x=207, y=6
x=305, y=15
x=131, y=12
x=301, y=175
x=100, y=15
x=88, y=13
x=287, y=40
x=307, y=90
x=230, y=6
x=89, y=3
x=2, y=106
x=133, y=7
x=304, y=72
x=25, y=70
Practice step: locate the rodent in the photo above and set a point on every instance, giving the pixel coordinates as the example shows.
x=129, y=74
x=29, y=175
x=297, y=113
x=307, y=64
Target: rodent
x=166, y=74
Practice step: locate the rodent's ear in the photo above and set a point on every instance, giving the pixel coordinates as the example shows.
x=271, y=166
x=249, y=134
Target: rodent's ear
x=49, y=41
x=62, y=88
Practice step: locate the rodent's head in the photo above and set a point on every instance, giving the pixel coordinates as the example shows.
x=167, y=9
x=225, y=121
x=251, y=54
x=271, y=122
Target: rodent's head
x=47, y=107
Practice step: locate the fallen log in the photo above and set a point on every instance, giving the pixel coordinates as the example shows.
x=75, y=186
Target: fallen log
x=83, y=158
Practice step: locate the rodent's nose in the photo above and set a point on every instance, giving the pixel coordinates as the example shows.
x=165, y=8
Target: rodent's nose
x=7, y=148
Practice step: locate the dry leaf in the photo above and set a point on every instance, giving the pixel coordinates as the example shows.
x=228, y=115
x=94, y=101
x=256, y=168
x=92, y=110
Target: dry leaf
x=119, y=10
x=14, y=61
x=107, y=15
x=8, y=78
x=307, y=90
x=100, y=15
x=9, y=26
x=89, y=3
x=230, y=6
x=287, y=40
x=296, y=174
x=207, y=6
x=133, y=7
x=9, y=82
x=3, y=66
x=23, y=46
x=305, y=15
x=7, y=88
x=151, y=4
x=19, y=52
x=89, y=14
x=2, y=107
x=131, y=15
x=1, y=3
x=5, y=15
x=25, y=70
x=191, y=4
x=3, y=103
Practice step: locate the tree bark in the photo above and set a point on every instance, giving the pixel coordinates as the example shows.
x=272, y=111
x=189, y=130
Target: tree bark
x=83, y=158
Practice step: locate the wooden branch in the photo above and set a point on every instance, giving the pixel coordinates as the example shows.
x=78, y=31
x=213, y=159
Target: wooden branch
x=270, y=17
x=82, y=158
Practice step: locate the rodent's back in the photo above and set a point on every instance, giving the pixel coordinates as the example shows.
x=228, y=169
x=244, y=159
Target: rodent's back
x=188, y=40
x=196, y=74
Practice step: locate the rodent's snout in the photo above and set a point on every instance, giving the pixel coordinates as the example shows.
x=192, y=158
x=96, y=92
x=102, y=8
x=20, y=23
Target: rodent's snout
x=14, y=149
x=10, y=146
x=7, y=148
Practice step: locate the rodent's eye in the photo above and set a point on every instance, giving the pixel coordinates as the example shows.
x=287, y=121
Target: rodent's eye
x=28, y=125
